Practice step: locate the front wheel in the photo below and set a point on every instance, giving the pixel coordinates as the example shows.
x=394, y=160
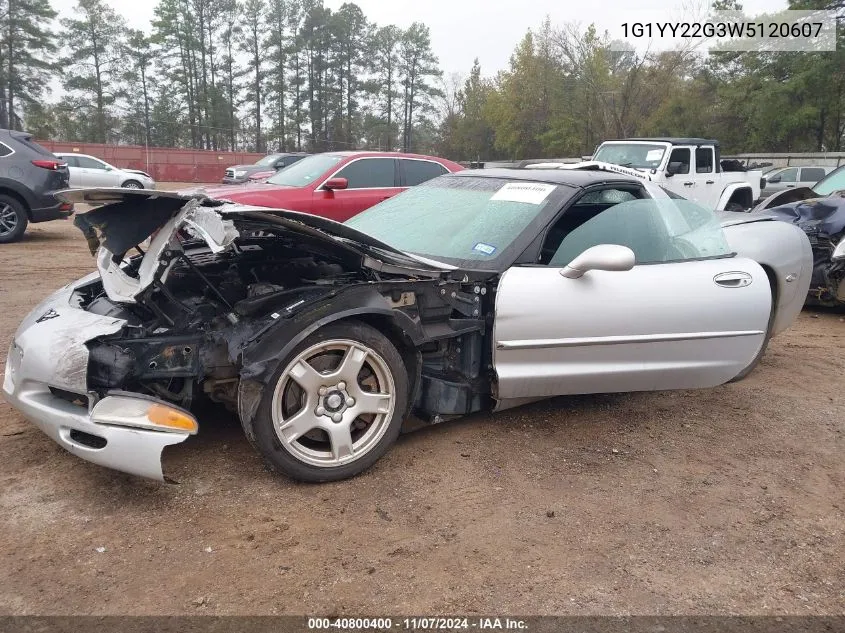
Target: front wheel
x=132, y=184
x=334, y=405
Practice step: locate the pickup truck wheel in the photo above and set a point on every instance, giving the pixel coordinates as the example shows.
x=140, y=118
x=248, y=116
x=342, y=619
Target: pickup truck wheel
x=334, y=406
x=13, y=220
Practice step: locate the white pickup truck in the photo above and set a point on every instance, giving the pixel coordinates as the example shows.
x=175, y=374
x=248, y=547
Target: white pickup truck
x=689, y=167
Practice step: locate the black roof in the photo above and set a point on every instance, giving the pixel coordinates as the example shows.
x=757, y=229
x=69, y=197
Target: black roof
x=570, y=177
x=675, y=140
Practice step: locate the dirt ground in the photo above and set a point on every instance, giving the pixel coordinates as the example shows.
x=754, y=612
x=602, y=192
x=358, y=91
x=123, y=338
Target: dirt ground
x=727, y=500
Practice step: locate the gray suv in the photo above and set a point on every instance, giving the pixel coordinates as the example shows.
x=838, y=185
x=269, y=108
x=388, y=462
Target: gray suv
x=29, y=174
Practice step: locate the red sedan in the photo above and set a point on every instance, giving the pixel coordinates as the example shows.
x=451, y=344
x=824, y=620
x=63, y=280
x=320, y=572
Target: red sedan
x=338, y=185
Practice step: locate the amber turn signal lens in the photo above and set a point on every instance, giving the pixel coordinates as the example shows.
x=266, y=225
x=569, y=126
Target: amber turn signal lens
x=161, y=415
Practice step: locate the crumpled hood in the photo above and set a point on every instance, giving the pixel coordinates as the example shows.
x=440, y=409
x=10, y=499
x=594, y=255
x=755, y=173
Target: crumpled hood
x=825, y=214
x=128, y=217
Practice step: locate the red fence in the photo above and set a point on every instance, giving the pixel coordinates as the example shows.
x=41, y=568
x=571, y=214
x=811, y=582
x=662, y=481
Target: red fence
x=163, y=164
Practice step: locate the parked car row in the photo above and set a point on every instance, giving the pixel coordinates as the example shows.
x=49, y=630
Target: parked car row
x=90, y=171
x=338, y=185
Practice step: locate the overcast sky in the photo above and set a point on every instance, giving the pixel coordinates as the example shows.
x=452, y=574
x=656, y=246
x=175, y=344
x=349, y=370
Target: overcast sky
x=462, y=30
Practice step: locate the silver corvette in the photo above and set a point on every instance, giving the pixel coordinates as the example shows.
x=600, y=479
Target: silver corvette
x=475, y=291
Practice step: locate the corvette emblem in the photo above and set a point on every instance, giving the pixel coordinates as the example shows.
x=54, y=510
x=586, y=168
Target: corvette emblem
x=50, y=314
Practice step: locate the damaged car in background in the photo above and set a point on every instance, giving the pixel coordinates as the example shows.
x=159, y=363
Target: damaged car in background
x=475, y=291
x=819, y=211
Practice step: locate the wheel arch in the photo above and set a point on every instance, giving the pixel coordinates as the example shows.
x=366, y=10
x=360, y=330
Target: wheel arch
x=739, y=193
x=5, y=190
x=259, y=363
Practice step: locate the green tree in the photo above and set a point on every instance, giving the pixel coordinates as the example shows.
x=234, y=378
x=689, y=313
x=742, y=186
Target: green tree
x=27, y=44
x=94, y=63
x=418, y=69
x=251, y=43
x=384, y=66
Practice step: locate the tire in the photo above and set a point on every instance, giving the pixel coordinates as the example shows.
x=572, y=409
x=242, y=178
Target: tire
x=316, y=421
x=756, y=360
x=132, y=184
x=13, y=219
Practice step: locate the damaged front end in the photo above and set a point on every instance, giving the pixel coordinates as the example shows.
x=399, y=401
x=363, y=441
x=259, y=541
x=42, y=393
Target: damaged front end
x=198, y=297
x=823, y=221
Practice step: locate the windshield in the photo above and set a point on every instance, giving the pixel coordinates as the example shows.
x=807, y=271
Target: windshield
x=834, y=181
x=464, y=221
x=268, y=161
x=304, y=172
x=639, y=155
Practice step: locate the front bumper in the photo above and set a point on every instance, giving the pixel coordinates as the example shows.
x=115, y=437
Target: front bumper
x=234, y=181
x=47, y=365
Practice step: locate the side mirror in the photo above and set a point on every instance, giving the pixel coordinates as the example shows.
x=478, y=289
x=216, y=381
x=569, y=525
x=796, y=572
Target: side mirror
x=336, y=183
x=673, y=168
x=601, y=257
x=775, y=178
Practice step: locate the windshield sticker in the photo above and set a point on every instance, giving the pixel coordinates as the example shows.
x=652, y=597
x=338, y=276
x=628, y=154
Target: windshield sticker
x=654, y=154
x=527, y=192
x=481, y=247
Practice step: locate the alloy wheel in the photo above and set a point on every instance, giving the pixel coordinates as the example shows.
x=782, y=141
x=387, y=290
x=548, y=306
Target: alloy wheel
x=8, y=220
x=333, y=403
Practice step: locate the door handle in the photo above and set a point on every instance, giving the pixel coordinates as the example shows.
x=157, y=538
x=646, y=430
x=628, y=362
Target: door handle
x=709, y=182
x=790, y=186
x=733, y=279
x=688, y=184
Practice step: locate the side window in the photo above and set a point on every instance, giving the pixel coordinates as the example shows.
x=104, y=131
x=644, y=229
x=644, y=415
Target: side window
x=680, y=156
x=418, y=171
x=90, y=163
x=658, y=231
x=812, y=174
x=71, y=161
x=583, y=210
x=704, y=160
x=5, y=150
x=369, y=173
x=789, y=175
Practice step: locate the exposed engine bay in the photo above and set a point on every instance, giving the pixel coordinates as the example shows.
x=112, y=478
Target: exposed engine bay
x=221, y=293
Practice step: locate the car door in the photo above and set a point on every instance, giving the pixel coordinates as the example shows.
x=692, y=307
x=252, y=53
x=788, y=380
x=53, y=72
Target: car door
x=781, y=180
x=687, y=315
x=414, y=171
x=707, y=190
x=683, y=182
x=369, y=181
x=809, y=176
x=95, y=173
